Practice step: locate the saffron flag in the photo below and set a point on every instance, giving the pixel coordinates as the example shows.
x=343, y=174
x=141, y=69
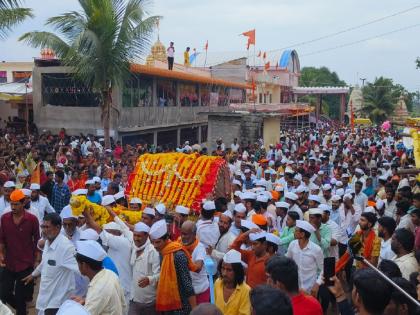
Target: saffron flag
x=206, y=47
x=267, y=66
x=259, y=54
x=251, y=37
x=36, y=174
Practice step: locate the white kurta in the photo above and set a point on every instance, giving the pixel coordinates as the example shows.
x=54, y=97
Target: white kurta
x=105, y=295
x=223, y=245
x=208, y=232
x=147, y=264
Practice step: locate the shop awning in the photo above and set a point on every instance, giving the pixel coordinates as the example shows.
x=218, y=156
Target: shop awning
x=14, y=91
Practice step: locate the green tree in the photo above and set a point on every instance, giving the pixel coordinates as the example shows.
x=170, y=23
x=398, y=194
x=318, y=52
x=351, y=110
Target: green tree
x=99, y=42
x=11, y=14
x=380, y=98
x=311, y=76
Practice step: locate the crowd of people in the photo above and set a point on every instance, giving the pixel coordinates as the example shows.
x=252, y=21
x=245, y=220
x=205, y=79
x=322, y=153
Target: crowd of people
x=315, y=196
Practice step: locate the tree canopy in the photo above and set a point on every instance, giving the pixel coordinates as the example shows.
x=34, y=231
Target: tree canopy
x=99, y=42
x=380, y=98
x=11, y=14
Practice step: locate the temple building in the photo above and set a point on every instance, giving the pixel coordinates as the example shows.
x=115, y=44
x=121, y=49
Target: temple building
x=155, y=105
x=401, y=114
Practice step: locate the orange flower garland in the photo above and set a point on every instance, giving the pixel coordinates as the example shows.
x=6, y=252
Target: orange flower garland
x=174, y=178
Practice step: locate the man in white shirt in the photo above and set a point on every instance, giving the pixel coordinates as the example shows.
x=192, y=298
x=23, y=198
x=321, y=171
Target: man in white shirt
x=226, y=238
x=105, y=294
x=40, y=202
x=390, y=203
x=69, y=229
x=197, y=251
x=56, y=269
x=403, y=244
x=349, y=217
x=8, y=188
x=403, y=207
x=308, y=256
x=360, y=198
x=207, y=229
x=145, y=261
x=335, y=234
x=239, y=213
x=386, y=227
x=234, y=146
x=119, y=250
x=27, y=205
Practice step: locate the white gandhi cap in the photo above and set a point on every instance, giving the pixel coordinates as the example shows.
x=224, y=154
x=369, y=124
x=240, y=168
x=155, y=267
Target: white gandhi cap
x=232, y=257
x=182, y=210
x=35, y=186
x=158, y=230
x=71, y=307
x=112, y=226
x=89, y=234
x=107, y=200
x=305, y=226
x=141, y=227
x=91, y=249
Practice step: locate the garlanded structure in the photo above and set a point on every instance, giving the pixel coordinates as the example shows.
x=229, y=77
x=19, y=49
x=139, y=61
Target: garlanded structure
x=179, y=179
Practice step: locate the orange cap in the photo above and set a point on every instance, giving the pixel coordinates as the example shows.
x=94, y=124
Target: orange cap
x=275, y=195
x=259, y=219
x=17, y=195
x=371, y=203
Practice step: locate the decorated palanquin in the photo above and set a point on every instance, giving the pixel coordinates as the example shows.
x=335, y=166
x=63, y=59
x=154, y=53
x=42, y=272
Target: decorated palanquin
x=179, y=179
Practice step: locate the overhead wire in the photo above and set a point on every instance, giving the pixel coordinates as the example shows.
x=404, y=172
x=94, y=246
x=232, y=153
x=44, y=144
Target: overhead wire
x=347, y=29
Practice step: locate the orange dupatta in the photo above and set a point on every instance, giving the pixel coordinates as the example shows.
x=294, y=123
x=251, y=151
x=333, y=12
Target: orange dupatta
x=167, y=294
x=367, y=251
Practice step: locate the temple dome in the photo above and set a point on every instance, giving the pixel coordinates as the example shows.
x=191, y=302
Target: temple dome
x=157, y=52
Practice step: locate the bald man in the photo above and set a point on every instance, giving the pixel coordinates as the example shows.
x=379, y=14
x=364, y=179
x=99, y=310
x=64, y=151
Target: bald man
x=197, y=251
x=206, y=309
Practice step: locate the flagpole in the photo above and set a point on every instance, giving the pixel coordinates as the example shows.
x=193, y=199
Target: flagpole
x=205, y=59
x=254, y=56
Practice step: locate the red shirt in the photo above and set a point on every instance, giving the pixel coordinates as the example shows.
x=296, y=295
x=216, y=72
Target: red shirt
x=306, y=305
x=19, y=240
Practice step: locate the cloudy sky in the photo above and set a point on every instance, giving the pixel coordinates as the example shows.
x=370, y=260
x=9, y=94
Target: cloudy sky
x=278, y=24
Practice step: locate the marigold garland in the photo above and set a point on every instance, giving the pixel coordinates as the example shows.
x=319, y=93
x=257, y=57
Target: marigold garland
x=174, y=178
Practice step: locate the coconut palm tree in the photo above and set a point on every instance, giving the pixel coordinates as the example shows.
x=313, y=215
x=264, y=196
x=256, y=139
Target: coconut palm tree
x=379, y=99
x=99, y=42
x=11, y=14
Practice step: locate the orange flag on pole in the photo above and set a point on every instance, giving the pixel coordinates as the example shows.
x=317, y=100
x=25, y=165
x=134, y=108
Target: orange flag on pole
x=267, y=66
x=206, y=46
x=251, y=37
x=36, y=174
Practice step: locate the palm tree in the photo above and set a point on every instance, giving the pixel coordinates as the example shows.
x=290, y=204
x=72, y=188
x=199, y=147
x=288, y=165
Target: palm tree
x=11, y=14
x=379, y=99
x=99, y=43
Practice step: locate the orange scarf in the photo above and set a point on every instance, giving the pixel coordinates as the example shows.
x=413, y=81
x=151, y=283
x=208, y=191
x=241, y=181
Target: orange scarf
x=167, y=294
x=368, y=242
x=189, y=248
x=367, y=251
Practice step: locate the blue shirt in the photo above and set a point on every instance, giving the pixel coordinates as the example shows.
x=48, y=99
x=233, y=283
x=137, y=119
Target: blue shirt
x=107, y=263
x=95, y=198
x=60, y=197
